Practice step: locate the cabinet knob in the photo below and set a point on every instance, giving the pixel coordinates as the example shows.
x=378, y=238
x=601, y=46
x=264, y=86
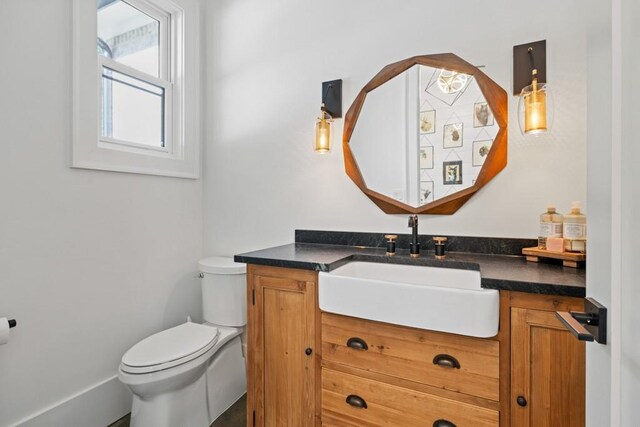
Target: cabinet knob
x=443, y=423
x=308, y=351
x=521, y=401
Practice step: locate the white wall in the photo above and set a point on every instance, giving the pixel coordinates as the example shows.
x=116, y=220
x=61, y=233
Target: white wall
x=90, y=262
x=265, y=65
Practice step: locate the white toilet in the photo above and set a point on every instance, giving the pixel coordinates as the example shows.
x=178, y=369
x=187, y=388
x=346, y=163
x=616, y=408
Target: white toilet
x=188, y=375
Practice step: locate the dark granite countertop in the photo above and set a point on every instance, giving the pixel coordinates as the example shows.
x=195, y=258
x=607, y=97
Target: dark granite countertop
x=502, y=272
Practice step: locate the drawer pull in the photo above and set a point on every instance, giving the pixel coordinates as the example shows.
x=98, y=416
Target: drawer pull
x=357, y=343
x=356, y=401
x=443, y=423
x=446, y=361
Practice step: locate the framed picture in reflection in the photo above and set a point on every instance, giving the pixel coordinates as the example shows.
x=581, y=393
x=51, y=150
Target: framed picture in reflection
x=426, y=192
x=452, y=172
x=482, y=115
x=428, y=121
x=480, y=151
x=452, y=137
x=426, y=157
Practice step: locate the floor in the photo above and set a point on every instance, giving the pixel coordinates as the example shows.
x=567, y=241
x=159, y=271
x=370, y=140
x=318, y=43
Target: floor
x=233, y=417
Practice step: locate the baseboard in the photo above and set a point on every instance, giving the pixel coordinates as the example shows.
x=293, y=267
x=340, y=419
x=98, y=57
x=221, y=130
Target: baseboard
x=97, y=406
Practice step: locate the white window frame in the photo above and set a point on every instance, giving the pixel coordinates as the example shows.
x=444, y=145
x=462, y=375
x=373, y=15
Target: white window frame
x=166, y=50
x=179, y=76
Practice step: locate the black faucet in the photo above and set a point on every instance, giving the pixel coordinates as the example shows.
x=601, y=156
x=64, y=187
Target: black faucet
x=414, y=246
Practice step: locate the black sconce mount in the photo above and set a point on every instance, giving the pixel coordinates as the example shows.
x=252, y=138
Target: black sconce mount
x=332, y=98
x=522, y=60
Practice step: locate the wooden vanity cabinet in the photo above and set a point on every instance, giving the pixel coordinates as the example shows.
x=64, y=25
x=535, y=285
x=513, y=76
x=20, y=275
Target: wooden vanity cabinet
x=307, y=368
x=282, y=355
x=547, y=363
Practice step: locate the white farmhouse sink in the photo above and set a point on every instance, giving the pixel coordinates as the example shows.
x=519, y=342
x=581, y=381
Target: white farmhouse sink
x=440, y=299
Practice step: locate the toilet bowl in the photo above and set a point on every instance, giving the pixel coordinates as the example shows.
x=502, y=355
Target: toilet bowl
x=190, y=374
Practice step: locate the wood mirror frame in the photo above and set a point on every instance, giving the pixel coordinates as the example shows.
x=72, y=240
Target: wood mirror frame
x=496, y=160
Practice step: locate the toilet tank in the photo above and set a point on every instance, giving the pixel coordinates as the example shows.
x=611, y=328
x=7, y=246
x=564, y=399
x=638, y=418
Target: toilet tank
x=224, y=297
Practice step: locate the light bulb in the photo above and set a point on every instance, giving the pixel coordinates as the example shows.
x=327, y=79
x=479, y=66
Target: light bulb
x=451, y=81
x=535, y=110
x=323, y=133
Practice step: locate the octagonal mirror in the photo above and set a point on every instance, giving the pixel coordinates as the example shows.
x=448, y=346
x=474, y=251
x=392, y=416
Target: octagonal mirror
x=425, y=134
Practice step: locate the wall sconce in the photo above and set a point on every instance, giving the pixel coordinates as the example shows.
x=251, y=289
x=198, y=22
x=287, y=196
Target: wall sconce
x=535, y=108
x=331, y=109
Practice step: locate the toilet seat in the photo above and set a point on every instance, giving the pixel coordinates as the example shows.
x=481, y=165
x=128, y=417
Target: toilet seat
x=169, y=348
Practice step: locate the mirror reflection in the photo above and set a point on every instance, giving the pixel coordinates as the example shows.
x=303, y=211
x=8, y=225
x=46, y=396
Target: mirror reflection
x=423, y=135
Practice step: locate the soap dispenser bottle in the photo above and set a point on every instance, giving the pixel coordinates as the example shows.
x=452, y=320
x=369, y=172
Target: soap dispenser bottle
x=574, y=230
x=550, y=226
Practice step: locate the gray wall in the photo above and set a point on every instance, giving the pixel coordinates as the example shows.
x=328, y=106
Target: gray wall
x=599, y=195
x=629, y=215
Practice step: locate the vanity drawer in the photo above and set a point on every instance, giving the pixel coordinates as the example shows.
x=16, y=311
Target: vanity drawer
x=452, y=362
x=389, y=405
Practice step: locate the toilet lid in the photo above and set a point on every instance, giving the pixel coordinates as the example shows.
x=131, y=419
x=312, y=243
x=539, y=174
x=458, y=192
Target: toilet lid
x=170, y=348
x=221, y=265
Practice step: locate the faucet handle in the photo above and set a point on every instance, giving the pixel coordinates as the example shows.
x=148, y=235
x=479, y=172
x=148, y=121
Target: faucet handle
x=439, y=246
x=391, y=243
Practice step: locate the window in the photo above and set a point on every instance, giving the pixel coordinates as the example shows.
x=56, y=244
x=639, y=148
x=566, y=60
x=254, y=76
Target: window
x=133, y=59
x=131, y=111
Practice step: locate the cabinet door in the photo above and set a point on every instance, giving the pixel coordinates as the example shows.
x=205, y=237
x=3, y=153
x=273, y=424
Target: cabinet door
x=547, y=371
x=281, y=354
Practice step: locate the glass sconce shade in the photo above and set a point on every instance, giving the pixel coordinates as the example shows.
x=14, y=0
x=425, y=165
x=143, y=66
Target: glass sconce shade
x=322, y=143
x=535, y=108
